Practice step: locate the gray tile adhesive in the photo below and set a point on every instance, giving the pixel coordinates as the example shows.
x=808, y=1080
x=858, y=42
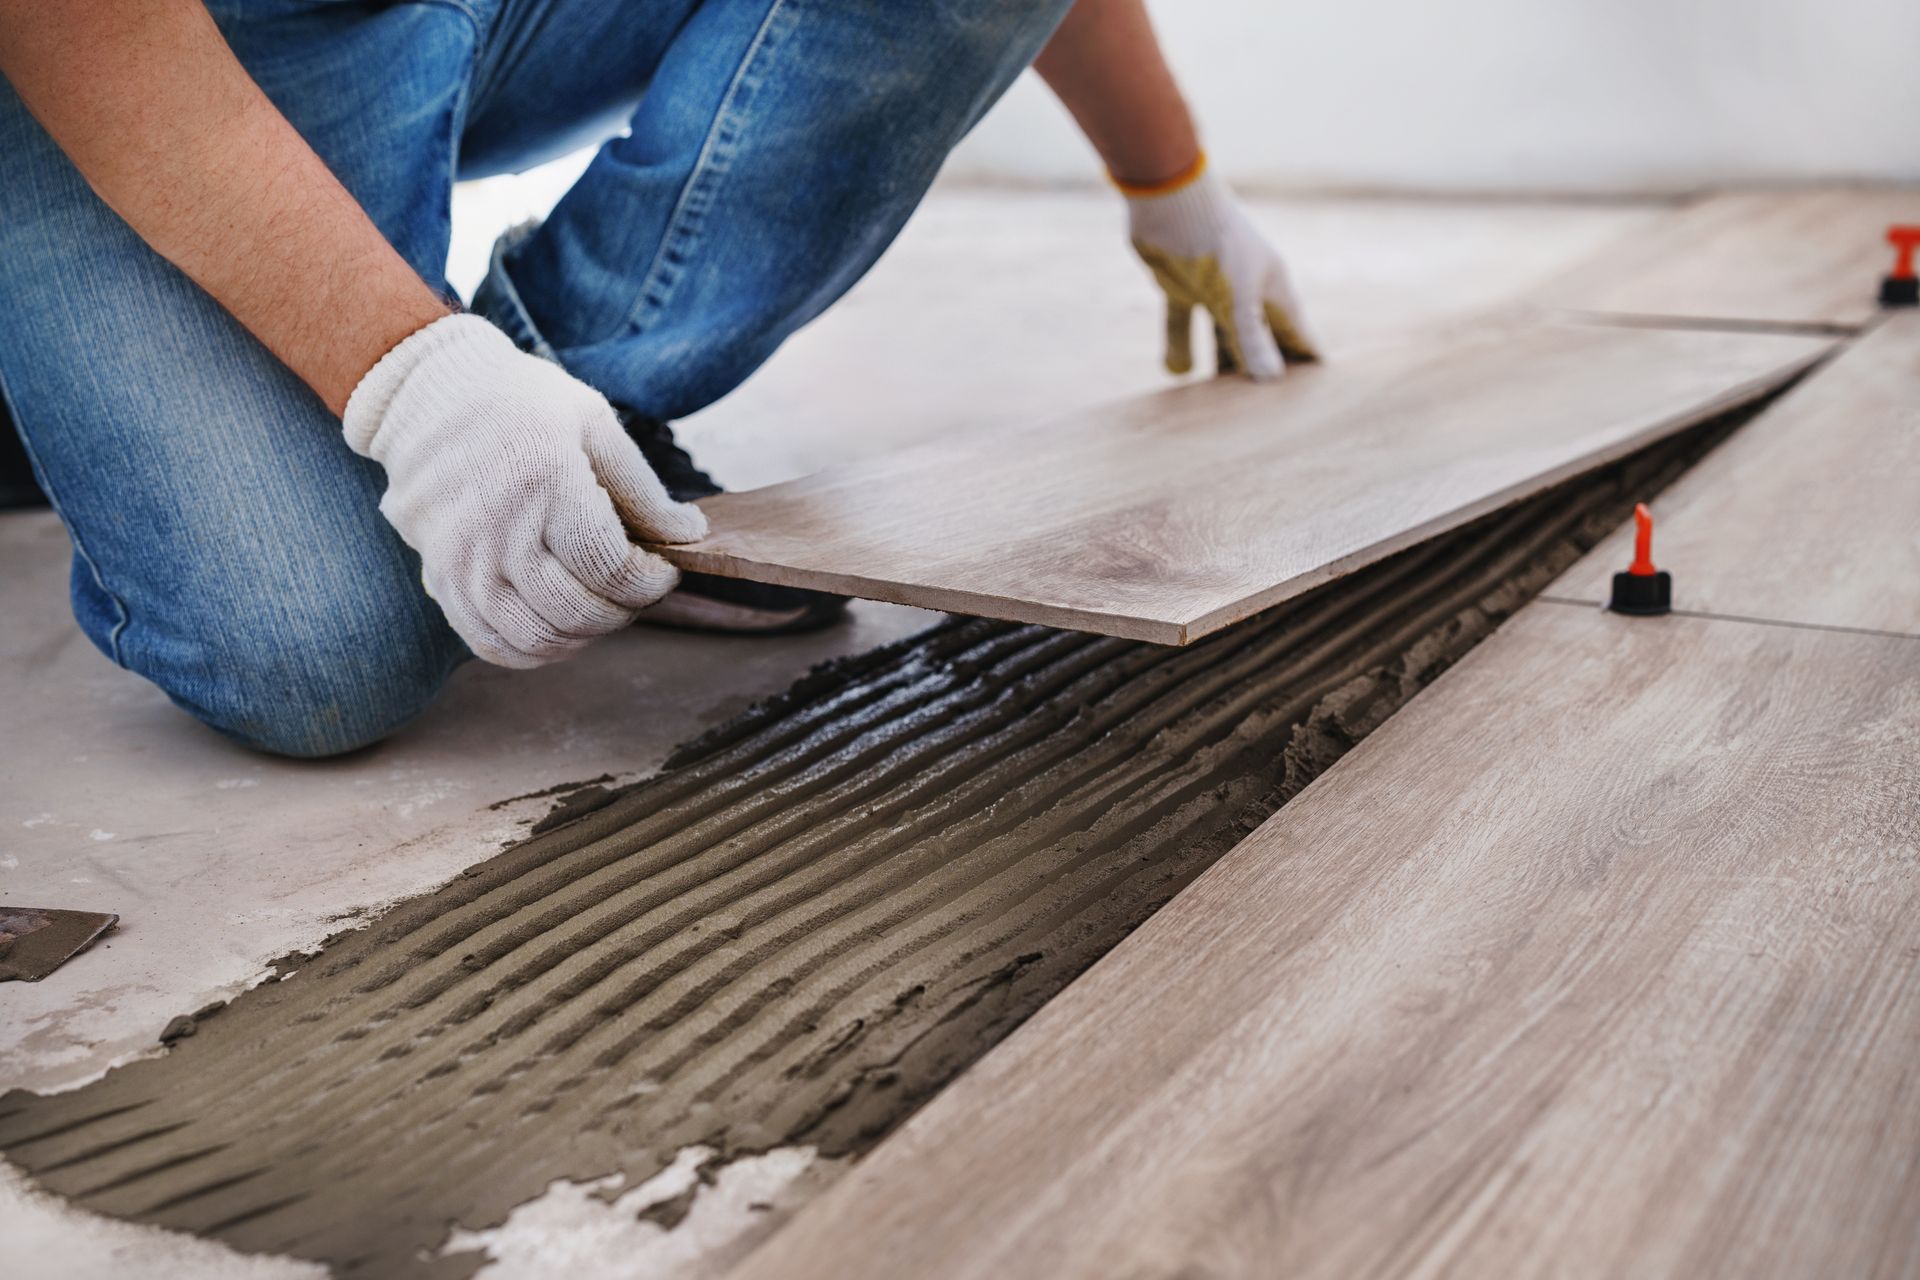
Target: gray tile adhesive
x=798, y=932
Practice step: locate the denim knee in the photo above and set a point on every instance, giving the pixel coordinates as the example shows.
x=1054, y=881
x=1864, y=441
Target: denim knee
x=292, y=697
x=318, y=674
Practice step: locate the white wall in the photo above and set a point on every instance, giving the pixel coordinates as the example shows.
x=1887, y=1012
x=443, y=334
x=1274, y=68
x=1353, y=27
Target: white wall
x=1517, y=95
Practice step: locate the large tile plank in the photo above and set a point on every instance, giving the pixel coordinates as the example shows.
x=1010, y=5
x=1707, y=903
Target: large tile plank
x=1810, y=513
x=1598, y=959
x=1172, y=515
x=1810, y=258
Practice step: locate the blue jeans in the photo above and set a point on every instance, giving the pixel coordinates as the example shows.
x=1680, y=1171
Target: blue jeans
x=227, y=545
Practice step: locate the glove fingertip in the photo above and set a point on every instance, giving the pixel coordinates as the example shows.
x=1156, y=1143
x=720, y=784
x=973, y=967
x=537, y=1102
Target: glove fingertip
x=643, y=580
x=1259, y=353
x=639, y=496
x=1179, y=358
x=1263, y=359
x=512, y=659
x=680, y=522
x=487, y=646
x=1295, y=340
x=1262, y=370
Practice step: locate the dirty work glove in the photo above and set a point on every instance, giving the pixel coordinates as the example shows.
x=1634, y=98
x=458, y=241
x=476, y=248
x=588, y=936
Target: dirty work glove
x=1205, y=252
x=515, y=483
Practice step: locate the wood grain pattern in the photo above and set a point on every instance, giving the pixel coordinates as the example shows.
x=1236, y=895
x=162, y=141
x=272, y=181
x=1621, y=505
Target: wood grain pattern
x=1601, y=958
x=1810, y=513
x=1774, y=257
x=1173, y=515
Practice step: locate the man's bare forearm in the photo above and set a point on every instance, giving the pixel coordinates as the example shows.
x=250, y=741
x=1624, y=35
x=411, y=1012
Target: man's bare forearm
x=1105, y=65
x=165, y=124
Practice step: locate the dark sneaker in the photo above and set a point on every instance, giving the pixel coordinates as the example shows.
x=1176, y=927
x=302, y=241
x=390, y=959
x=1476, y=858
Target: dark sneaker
x=685, y=482
x=703, y=602
x=18, y=488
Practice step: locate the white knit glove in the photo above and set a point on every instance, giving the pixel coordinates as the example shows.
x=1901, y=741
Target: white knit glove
x=1205, y=252
x=517, y=486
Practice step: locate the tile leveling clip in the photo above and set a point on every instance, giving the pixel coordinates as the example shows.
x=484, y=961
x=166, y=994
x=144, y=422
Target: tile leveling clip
x=1901, y=288
x=1642, y=590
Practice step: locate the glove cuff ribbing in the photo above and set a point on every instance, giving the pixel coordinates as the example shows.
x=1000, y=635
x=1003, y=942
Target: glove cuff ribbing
x=367, y=406
x=1179, y=221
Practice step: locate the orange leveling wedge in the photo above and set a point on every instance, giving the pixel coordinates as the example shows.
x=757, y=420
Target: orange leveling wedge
x=1642, y=590
x=1901, y=288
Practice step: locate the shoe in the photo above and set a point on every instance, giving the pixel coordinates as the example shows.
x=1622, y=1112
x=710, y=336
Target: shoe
x=18, y=489
x=703, y=602
x=674, y=465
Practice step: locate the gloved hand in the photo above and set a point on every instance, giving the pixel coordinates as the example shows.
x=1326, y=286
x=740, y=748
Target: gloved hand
x=515, y=483
x=1205, y=252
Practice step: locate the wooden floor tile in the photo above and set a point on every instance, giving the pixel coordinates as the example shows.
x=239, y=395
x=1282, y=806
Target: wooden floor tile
x=1172, y=515
x=1810, y=513
x=1602, y=958
x=1773, y=257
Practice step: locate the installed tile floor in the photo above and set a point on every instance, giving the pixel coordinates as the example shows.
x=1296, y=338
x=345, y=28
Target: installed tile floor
x=994, y=307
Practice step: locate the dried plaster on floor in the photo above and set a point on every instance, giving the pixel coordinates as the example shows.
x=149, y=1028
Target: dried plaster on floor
x=692, y=1220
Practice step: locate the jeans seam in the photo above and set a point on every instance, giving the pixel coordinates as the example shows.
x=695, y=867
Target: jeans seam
x=492, y=44
x=509, y=313
x=469, y=10
x=73, y=535
x=712, y=165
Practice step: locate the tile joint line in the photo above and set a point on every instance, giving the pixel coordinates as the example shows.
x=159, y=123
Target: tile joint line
x=1719, y=324
x=1735, y=617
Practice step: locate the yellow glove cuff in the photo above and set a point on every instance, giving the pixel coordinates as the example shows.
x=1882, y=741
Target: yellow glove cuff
x=1166, y=186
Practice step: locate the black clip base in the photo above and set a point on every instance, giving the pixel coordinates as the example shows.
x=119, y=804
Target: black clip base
x=1642, y=594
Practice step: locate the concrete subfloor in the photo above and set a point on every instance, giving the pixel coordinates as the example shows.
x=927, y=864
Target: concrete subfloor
x=994, y=307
